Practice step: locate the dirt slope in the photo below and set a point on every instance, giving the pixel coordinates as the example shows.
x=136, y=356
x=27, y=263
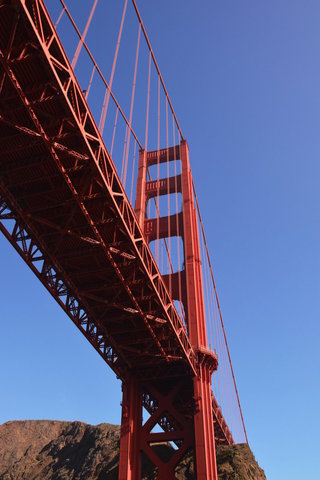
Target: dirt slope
x=53, y=450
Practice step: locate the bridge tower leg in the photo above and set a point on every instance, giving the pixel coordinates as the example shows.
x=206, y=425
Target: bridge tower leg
x=129, y=465
x=204, y=449
x=182, y=407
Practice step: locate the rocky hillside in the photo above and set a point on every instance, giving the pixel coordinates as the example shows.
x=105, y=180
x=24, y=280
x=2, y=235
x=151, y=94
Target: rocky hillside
x=52, y=450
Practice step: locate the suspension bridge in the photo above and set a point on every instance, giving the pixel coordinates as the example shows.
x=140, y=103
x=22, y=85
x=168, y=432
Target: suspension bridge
x=97, y=197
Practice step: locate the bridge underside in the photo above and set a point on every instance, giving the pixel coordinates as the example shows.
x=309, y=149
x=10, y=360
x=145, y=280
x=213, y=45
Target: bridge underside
x=63, y=208
x=57, y=177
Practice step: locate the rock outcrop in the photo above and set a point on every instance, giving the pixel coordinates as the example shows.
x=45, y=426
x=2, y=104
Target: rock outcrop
x=54, y=450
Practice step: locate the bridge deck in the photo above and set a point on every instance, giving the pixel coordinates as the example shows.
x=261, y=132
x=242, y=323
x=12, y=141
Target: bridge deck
x=64, y=209
x=56, y=174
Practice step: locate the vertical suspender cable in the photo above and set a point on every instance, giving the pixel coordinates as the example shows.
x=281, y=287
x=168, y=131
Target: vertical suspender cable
x=221, y=364
x=90, y=82
x=133, y=165
x=148, y=105
x=158, y=176
x=114, y=131
x=147, y=121
x=206, y=296
x=158, y=213
x=168, y=194
x=107, y=93
x=124, y=152
x=216, y=342
x=131, y=108
x=59, y=18
x=220, y=314
x=177, y=214
x=215, y=337
x=100, y=72
x=83, y=36
x=156, y=66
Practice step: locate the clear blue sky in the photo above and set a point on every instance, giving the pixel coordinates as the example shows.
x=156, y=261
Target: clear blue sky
x=245, y=81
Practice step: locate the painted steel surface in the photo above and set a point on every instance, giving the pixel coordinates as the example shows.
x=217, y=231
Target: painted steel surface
x=64, y=209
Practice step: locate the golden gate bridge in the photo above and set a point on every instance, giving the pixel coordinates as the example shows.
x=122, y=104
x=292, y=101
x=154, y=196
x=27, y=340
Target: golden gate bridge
x=97, y=197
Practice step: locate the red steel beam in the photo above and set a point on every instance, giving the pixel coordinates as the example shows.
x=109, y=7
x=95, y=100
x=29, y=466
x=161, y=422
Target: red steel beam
x=51, y=64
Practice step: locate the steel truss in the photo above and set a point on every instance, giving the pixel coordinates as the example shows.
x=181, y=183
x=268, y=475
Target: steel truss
x=64, y=209
x=71, y=198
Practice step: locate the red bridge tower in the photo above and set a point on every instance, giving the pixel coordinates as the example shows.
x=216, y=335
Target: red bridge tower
x=180, y=405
